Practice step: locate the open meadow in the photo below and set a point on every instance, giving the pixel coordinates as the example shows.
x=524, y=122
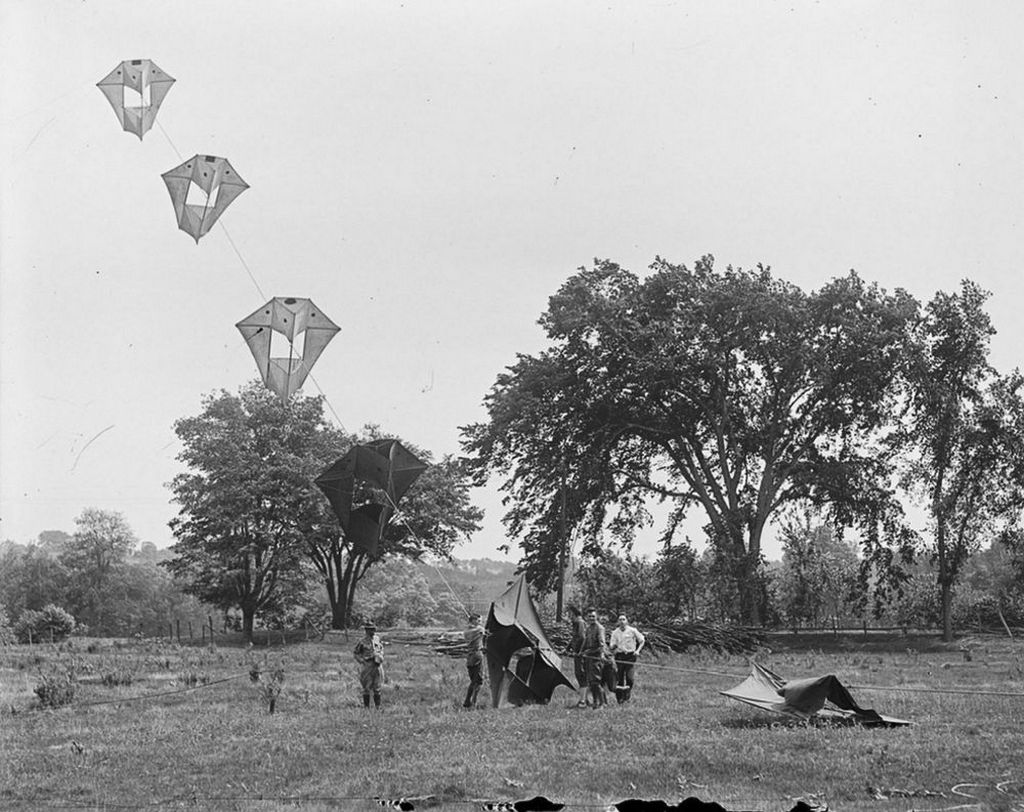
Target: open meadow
x=157, y=725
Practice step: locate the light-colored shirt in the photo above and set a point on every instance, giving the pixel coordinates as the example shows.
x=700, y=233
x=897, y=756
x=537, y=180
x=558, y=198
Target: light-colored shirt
x=628, y=640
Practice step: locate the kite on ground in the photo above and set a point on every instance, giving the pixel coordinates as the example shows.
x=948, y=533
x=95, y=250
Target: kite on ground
x=201, y=188
x=291, y=318
x=805, y=698
x=386, y=465
x=135, y=89
x=513, y=625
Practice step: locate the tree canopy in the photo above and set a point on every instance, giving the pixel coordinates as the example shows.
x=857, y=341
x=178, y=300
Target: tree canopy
x=251, y=522
x=732, y=391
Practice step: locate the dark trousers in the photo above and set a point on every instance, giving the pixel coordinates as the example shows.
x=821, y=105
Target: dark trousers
x=476, y=679
x=624, y=665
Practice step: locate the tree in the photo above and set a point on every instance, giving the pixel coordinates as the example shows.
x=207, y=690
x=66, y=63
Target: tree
x=251, y=461
x=396, y=593
x=93, y=556
x=734, y=392
x=30, y=579
x=251, y=521
x=818, y=576
x=966, y=433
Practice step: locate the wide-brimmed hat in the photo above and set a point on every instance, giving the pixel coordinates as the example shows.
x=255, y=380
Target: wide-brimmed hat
x=370, y=626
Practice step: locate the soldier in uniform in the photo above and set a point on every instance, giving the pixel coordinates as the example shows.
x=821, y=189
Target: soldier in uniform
x=474, y=635
x=369, y=653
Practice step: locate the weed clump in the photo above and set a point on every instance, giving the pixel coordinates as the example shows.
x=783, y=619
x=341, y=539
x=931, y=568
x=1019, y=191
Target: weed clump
x=57, y=688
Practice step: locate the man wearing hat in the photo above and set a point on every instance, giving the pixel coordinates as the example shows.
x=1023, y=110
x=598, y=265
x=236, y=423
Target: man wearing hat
x=369, y=653
x=474, y=635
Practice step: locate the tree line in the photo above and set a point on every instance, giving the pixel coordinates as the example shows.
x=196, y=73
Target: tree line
x=739, y=395
x=733, y=394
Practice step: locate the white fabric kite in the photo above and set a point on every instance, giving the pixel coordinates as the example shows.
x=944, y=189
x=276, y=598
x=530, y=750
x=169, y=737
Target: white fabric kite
x=135, y=89
x=210, y=180
x=290, y=317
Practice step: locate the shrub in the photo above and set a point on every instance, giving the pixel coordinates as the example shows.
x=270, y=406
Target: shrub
x=51, y=623
x=56, y=688
x=6, y=632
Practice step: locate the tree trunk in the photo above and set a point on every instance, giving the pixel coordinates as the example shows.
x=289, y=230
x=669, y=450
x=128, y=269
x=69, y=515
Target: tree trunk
x=248, y=614
x=947, y=611
x=339, y=614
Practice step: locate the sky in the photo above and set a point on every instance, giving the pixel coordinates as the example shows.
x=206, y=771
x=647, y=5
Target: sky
x=429, y=173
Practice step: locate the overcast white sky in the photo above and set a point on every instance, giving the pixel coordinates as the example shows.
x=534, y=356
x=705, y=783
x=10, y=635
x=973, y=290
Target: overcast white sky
x=430, y=172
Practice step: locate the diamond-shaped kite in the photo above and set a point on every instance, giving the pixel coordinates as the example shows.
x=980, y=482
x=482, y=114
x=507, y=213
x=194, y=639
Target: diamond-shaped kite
x=201, y=188
x=384, y=464
x=135, y=89
x=290, y=317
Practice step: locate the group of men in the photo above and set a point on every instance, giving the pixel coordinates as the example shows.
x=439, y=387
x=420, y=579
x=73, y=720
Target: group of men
x=600, y=662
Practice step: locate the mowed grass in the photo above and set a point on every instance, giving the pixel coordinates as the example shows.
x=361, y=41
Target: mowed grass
x=217, y=747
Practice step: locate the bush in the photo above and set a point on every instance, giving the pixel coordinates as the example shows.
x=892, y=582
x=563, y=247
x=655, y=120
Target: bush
x=56, y=688
x=6, y=632
x=50, y=624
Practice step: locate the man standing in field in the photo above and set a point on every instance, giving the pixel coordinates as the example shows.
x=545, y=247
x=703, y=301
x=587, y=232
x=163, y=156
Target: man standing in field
x=626, y=643
x=579, y=631
x=369, y=653
x=474, y=635
x=595, y=652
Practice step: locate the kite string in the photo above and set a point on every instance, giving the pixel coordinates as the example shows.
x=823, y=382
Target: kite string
x=227, y=234
x=905, y=689
x=401, y=517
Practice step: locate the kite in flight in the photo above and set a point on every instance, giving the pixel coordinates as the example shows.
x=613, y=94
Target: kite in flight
x=201, y=188
x=385, y=465
x=135, y=89
x=292, y=318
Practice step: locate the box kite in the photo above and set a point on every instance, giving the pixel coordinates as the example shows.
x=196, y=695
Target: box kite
x=805, y=698
x=135, y=89
x=384, y=465
x=512, y=627
x=291, y=318
x=201, y=188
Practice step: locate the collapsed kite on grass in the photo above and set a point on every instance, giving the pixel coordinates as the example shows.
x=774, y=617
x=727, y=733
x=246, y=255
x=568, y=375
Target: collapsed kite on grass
x=805, y=698
x=513, y=626
x=136, y=89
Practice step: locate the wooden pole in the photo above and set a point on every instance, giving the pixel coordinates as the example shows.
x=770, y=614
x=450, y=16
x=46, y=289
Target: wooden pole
x=190, y=630
x=178, y=624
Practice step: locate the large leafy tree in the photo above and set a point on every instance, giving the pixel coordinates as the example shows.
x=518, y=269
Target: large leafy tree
x=734, y=392
x=965, y=428
x=251, y=520
x=96, y=556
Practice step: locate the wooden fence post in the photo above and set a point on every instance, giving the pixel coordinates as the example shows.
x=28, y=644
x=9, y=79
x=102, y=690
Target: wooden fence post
x=190, y=631
x=177, y=622
x=210, y=618
x=170, y=632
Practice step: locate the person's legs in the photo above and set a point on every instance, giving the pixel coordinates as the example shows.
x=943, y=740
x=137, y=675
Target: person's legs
x=627, y=677
x=366, y=700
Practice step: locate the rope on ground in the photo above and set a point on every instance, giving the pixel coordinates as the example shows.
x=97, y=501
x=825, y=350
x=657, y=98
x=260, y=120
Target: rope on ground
x=143, y=697
x=903, y=688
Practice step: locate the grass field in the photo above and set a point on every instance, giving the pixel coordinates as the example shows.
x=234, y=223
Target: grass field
x=218, y=747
